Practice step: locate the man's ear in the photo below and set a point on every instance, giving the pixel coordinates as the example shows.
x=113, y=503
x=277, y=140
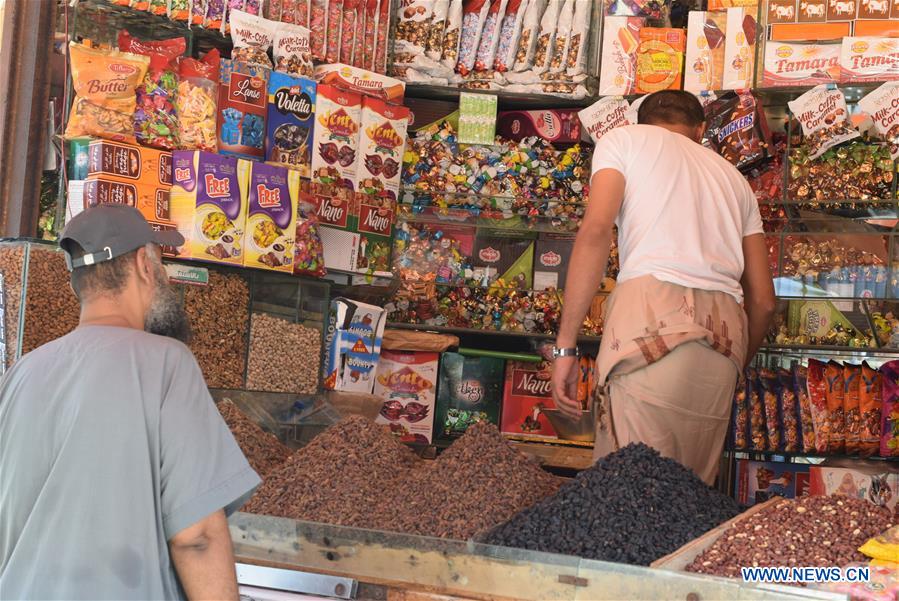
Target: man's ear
x=144, y=266
x=700, y=132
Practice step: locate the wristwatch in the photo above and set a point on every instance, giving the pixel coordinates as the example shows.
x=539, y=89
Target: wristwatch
x=565, y=352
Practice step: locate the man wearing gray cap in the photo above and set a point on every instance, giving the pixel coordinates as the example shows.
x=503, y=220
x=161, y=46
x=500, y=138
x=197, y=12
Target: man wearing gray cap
x=116, y=470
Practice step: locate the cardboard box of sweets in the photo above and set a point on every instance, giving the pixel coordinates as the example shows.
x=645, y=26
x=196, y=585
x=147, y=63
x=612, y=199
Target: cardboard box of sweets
x=407, y=382
x=470, y=390
x=272, y=197
x=129, y=163
x=209, y=205
x=353, y=345
x=527, y=390
x=758, y=481
x=151, y=200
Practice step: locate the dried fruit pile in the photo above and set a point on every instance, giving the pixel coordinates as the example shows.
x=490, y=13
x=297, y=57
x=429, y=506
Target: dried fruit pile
x=632, y=506
x=811, y=531
x=263, y=450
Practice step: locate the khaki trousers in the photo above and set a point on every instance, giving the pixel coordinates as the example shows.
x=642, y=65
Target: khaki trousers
x=679, y=405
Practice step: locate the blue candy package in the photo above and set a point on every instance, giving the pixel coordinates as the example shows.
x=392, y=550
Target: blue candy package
x=289, y=122
x=243, y=99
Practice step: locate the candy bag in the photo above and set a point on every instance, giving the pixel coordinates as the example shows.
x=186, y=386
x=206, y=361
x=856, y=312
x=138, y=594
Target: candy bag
x=348, y=30
x=359, y=35
x=824, y=117
x=155, y=117
x=833, y=378
x=158, y=7
x=198, y=12
x=789, y=410
x=179, y=10
x=580, y=35
x=883, y=106
x=509, y=33
x=105, y=83
x=852, y=375
x=474, y=14
x=247, y=6
x=757, y=431
x=301, y=13
x=884, y=546
x=773, y=421
x=546, y=39
x=292, y=50
x=740, y=425
x=252, y=36
x=196, y=100
x=800, y=388
x=562, y=42
x=380, y=65
x=870, y=394
x=412, y=32
x=318, y=27
x=309, y=257
x=333, y=30
x=737, y=130
x=450, y=55
x=490, y=36
x=371, y=26
x=530, y=29
x=889, y=423
x=215, y=14
x=434, y=47
x=605, y=115
x=817, y=393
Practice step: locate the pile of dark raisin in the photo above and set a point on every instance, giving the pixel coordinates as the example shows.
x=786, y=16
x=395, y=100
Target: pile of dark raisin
x=632, y=506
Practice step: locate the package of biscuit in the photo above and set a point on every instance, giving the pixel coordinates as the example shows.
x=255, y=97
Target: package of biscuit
x=704, y=68
x=272, y=195
x=660, y=59
x=621, y=38
x=801, y=64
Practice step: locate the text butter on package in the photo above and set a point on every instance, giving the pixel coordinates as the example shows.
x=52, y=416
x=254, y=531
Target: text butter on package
x=243, y=100
x=289, y=122
x=208, y=205
x=789, y=64
x=407, y=383
x=867, y=59
x=353, y=345
x=272, y=197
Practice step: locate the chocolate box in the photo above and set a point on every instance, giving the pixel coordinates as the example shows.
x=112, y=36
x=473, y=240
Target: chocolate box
x=469, y=391
x=621, y=37
x=129, y=163
x=242, y=106
x=496, y=256
x=209, y=205
x=151, y=200
x=353, y=345
x=335, y=147
x=382, y=140
x=552, y=255
x=557, y=126
x=869, y=59
x=407, y=382
x=794, y=64
x=270, y=236
x=527, y=390
x=361, y=81
x=290, y=120
x=705, y=47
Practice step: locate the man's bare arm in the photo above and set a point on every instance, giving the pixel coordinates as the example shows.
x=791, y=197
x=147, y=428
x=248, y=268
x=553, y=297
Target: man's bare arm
x=758, y=291
x=204, y=559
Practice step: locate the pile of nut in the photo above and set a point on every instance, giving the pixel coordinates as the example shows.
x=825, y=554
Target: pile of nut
x=262, y=449
x=12, y=259
x=218, y=315
x=341, y=477
x=632, y=506
x=284, y=356
x=375, y=482
x=810, y=531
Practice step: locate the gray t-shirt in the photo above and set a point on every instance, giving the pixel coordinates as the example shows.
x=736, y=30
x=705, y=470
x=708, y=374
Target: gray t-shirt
x=110, y=444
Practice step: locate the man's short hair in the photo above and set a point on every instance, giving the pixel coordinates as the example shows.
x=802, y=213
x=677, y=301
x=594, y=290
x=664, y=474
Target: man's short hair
x=671, y=107
x=107, y=277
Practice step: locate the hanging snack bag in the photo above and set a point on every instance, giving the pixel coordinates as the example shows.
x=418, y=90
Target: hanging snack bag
x=800, y=388
x=833, y=380
x=882, y=105
x=282, y=11
x=741, y=416
x=380, y=65
x=580, y=36
x=889, y=423
x=105, y=83
x=309, y=257
x=562, y=41
x=371, y=25
x=817, y=393
x=292, y=50
x=333, y=30
x=757, y=433
x=546, y=38
x=737, y=130
x=196, y=101
x=490, y=36
x=605, y=115
x=773, y=420
x=248, y=6
x=852, y=375
x=824, y=118
x=179, y=10
x=155, y=118
x=158, y=7
x=789, y=411
x=434, y=46
x=198, y=12
x=216, y=11
x=318, y=27
x=412, y=31
x=473, y=16
x=359, y=36
x=530, y=29
x=870, y=394
x=252, y=36
x=348, y=30
x=509, y=34
x=451, y=36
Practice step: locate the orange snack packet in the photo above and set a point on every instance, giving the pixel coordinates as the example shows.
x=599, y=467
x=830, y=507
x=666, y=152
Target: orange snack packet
x=105, y=82
x=852, y=375
x=660, y=59
x=869, y=404
x=834, y=392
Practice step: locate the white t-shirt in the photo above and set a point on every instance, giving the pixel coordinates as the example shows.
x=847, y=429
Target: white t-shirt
x=685, y=212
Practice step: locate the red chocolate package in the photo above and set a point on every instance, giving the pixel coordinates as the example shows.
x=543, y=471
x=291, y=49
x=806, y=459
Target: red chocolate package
x=870, y=400
x=835, y=392
x=737, y=130
x=817, y=392
x=348, y=30
x=318, y=27
x=334, y=24
x=557, y=126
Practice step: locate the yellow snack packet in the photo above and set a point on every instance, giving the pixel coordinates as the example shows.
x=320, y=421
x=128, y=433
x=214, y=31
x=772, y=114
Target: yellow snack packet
x=883, y=547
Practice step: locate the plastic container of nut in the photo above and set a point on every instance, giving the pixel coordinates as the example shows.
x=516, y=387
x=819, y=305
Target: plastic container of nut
x=39, y=305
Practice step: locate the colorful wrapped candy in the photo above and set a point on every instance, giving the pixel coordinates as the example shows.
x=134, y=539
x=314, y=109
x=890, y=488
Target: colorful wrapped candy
x=196, y=101
x=155, y=117
x=309, y=258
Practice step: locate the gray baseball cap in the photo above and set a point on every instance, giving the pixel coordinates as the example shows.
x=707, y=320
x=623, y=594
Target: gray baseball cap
x=109, y=231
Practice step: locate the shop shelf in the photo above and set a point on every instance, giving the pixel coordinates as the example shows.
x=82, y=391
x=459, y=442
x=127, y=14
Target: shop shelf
x=514, y=224
x=783, y=95
x=833, y=352
x=507, y=100
x=811, y=456
x=585, y=339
